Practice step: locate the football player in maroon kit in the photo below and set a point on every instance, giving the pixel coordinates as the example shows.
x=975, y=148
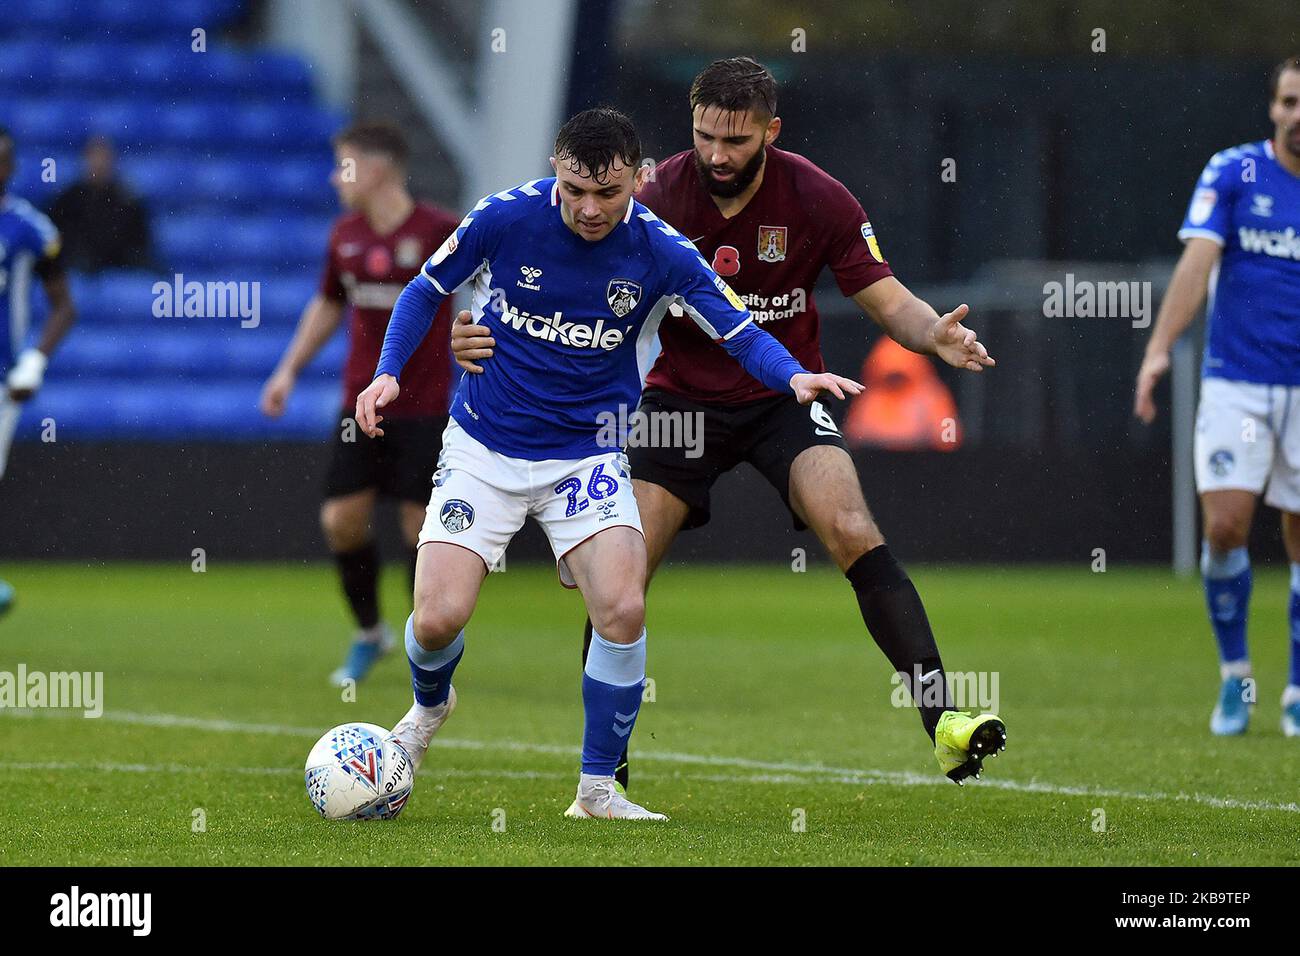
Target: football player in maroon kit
x=373, y=250
x=769, y=221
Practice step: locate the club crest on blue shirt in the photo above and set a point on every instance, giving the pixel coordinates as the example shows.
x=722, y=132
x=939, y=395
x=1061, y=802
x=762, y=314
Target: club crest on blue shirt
x=456, y=515
x=622, y=296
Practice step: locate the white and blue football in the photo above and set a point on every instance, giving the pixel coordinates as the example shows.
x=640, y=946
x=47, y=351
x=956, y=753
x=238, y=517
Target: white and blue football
x=354, y=773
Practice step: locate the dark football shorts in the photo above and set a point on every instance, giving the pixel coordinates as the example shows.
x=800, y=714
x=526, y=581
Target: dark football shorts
x=400, y=465
x=768, y=433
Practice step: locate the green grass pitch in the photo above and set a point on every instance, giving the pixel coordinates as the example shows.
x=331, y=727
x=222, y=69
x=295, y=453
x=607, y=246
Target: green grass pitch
x=771, y=739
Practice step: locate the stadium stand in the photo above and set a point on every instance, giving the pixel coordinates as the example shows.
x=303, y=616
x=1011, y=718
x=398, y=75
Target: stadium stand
x=229, y=149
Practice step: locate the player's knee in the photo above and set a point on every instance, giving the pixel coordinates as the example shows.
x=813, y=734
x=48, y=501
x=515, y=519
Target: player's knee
x=621, y=618
x=1225, y=532
x=344, y=528
x=436, y=625
x=853, y=534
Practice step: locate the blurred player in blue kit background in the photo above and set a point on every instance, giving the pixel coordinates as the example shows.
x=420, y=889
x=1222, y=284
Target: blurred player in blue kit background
x=1242, y=245
x=29, y=245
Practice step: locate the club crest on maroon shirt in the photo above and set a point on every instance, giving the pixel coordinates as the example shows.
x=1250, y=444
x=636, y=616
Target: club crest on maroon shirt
x=771, y=243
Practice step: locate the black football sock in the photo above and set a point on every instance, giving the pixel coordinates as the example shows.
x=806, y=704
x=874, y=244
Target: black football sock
x=620, y=771
x=359, y=573
x=894, y=615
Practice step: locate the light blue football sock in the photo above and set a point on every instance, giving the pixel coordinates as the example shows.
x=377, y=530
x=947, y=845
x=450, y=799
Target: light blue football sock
x=1228, y=582
x=431, y=670
x=612, y=682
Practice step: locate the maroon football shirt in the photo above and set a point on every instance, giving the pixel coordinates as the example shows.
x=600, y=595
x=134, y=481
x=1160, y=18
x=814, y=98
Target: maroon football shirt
x=800, y=220
x=368, y=272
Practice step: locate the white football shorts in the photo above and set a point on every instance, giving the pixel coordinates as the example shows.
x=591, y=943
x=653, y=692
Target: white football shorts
x=481, y=499
x=1248, y=438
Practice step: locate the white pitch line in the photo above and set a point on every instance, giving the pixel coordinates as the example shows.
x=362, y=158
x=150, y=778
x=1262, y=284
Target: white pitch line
x=771, y=772
x=156, y=768
x=160, y=768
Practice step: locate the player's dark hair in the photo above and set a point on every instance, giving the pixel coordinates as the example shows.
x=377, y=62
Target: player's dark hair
x=1290, y=63
x=595, y=138
x=380, y=137
x=736, y=84
x=5, y=135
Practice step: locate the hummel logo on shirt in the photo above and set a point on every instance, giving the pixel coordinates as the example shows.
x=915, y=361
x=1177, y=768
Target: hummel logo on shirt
x=530, y=278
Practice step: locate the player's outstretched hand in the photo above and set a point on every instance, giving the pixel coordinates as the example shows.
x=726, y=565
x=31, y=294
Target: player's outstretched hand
x=469, y=342
x=275, y=394
x=958, y=345
x=1154, y=366
x=808, y=386
x=377, y=394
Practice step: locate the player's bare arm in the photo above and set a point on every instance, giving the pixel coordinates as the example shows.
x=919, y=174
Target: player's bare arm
x=27, y=375
x=914, y=324
x=317, y=324
x=1183, y=299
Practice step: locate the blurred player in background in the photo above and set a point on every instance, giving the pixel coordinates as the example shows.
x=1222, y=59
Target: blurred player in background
x=373, y=249
x=769, y=222
x=578, y=277
x=29, y=244
x=1240, y=237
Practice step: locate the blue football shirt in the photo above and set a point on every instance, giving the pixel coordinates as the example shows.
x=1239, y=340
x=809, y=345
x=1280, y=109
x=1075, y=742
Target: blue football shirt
x=1250, y=205
x=575, y=322
x=27, y=237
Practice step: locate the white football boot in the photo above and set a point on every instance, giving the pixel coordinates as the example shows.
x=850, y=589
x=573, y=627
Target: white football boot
x=1291, y=711
x=600, y=798
x=416, y=729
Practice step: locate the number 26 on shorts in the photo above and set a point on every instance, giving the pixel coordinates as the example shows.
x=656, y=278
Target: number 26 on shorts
x=599, y=485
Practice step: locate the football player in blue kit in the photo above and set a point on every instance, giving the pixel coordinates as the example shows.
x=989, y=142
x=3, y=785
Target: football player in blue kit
x=575, y=276
x=1242, y=236
x=29, y=245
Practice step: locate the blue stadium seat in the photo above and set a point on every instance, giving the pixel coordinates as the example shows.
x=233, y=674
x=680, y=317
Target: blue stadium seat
x=125, y=121
x=151, y=410
x=300, y=181
x=123, y=297
x=82, y=64
x=29, y=181
x=283, y=299
x=156, y=67
x=158, y=178
x=287, y=73
x=183, y=240
x=198, y=125
x=229, y=181
x=49, y=14
x=231, y=152
x=43, y=120
x=22, y=63
x=187, y=349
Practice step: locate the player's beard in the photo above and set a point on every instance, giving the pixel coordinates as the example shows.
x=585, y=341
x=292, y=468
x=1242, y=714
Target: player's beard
x=1292, y=140
x=739, y=183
